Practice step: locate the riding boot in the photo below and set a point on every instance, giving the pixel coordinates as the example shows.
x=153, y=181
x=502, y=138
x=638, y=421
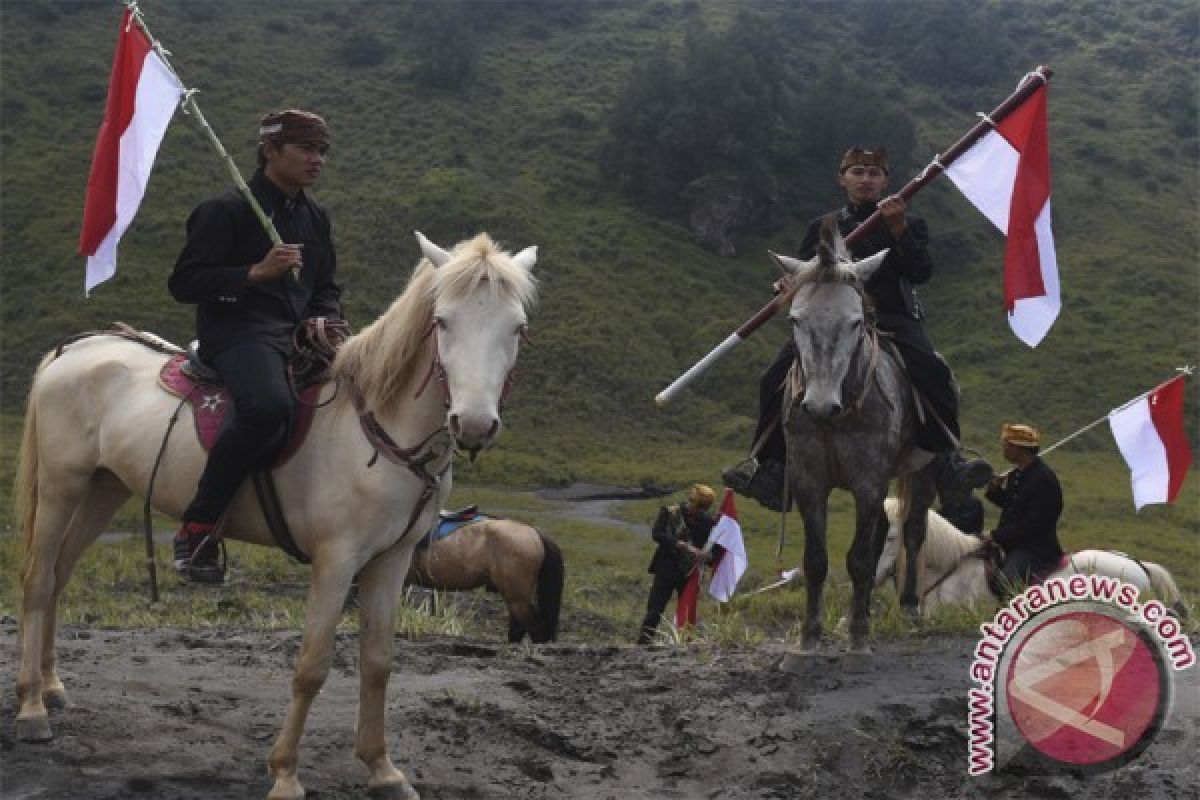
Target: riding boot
x=761, y=480
x=197, y=553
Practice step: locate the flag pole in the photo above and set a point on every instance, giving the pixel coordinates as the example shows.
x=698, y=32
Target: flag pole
x=1028, y=85
x=1183, y=372
x=190, y=107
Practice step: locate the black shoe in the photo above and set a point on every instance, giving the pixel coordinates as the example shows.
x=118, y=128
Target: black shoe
x=198, y=553
x=973, y=473
x=761, y=481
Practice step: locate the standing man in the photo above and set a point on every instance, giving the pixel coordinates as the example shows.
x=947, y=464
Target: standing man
x=681, y=534
x=1031, y=499
x=863, y=176
x=249, y=298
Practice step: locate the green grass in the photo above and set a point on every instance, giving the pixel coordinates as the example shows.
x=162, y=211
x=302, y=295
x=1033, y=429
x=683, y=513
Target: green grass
x=607, y=582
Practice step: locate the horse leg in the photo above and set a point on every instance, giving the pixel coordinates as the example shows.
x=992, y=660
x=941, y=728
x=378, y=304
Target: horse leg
x=860, y=564
x=378, y=589
x=57, y=501
x=920, y=491
x=516, y=628
x=104, y=496
x=326, y=595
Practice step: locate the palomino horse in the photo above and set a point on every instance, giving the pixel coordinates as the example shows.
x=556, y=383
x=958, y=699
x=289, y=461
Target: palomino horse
x=953, y=568
x=508, y=557
x=91, y=438
x=850, y=423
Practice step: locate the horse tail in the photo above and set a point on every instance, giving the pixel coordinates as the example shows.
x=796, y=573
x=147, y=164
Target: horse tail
x=1165, y=587
x=549, y=590
x=25, y=484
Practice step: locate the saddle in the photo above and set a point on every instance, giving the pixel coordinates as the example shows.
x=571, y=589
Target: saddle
x=186, y=377
x=450, y=521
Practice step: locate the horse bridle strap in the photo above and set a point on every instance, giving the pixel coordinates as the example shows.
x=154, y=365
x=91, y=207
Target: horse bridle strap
x=415, y=459
x=436, y=367
x=978, y=552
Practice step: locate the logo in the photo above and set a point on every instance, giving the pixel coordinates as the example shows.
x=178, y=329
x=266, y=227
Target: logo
x=1085, y=688
x=1075, y=671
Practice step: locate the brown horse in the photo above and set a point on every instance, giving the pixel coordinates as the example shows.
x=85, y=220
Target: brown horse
x=508, y=557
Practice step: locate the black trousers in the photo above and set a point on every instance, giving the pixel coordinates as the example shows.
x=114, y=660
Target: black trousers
x=1020, y=567
x=928, y=372
x=665, y=584
x=256, y=376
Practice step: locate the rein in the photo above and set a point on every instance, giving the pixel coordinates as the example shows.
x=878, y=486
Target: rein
x=978, y=552
x=415, y=459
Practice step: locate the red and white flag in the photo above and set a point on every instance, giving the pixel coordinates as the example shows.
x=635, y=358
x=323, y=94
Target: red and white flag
x=1149, y=433
x=142, y=96
x=1006, y=174
x=730, y=564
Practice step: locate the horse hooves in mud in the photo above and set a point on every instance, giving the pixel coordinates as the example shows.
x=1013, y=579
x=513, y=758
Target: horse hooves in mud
x=800, y=662
x=34, y=729
x=393, y=791
x=858, y=661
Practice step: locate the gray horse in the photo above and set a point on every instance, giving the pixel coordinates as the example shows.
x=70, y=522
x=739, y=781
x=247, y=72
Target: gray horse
x=850, y=423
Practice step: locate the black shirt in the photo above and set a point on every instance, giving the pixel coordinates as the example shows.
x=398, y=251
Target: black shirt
x=225, y=238
x=1032, y=503
x=908, y=263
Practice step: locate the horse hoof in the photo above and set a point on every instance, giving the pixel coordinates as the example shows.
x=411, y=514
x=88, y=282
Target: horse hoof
x=34, y=729
x=858, y=661
x=55, y=699
x=393, y=791
x=799, y=662
x=286, y=790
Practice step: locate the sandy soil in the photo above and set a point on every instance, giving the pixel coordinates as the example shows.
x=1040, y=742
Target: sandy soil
x=182, y=714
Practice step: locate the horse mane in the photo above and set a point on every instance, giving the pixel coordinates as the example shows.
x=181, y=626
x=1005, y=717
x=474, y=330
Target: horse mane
x=829, y=268
x=945, y=545
x=383, y=357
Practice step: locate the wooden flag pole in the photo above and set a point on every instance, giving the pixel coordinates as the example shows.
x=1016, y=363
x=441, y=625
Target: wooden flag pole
x=1027, y=86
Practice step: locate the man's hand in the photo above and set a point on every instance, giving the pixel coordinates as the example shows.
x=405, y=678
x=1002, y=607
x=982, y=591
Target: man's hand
x=280, y=259
x=892, y=209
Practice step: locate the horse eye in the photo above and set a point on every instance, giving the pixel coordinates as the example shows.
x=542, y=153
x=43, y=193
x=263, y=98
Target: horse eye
x=522, y=329
x=440, y=322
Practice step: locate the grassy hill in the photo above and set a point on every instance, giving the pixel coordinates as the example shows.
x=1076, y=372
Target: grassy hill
x=628, y=300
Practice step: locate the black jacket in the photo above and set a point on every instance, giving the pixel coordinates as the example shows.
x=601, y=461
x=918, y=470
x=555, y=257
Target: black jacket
x=908, y=263
x=1032, y=502
x=224, y=239
x=672, y=525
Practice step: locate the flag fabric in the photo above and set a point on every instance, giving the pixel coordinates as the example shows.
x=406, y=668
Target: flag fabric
x=1149, y=433
x=731, y=562
x=143, y=94
x=1006, y=174
x=689, y=598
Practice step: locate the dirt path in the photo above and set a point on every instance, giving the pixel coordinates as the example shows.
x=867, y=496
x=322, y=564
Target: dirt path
x=180, y=714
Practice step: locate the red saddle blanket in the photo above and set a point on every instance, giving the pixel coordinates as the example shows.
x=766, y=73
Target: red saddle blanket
x=209, y=403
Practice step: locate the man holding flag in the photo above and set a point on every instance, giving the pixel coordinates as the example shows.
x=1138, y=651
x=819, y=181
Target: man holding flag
x=863, y=176
x=681, y=532
x=250, y=296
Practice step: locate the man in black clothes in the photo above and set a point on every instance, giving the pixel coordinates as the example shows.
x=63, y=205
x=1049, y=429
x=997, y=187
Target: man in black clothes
x=1031, y=499
x=863, y=175
x=250, y=296
x=681, y=533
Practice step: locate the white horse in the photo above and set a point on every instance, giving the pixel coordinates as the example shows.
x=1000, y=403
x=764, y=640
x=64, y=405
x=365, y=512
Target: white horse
x=96, y=419
x=951, y=570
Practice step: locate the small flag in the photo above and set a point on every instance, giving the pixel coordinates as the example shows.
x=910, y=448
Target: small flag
x=730, y=563
x=142, y=96
x=1006, y=174
x=1149, y=433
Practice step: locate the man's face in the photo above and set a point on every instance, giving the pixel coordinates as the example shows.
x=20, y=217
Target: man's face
x=295, y=165
x=863, y=184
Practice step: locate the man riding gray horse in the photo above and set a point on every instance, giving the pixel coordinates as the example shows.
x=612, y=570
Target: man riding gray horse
x=863, y=175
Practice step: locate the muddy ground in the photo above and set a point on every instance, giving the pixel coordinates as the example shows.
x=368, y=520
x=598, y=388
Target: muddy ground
x=184, y=714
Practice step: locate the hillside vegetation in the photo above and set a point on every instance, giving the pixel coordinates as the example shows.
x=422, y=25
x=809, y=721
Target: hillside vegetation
x=501, y=116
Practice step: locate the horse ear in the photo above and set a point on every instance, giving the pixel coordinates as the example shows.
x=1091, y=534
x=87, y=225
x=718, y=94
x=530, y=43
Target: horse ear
x=866, y=268
x=788, y=265
x=526, y=258
x=436, y=255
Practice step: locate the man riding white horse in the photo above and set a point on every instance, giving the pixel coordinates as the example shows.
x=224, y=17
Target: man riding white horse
x=863, y=175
